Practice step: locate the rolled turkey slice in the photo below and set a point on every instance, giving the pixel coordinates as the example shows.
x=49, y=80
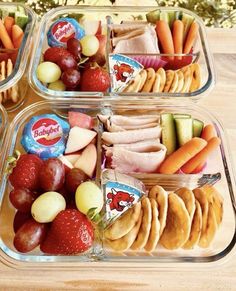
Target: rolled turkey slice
x=125, y=161
x=130, y=136
x=112, y=127
x=128, y=120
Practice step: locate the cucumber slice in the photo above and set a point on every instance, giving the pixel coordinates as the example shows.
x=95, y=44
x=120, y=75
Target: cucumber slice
x=21, y=19
x=168, y=132
x=178, y=15
x=171, y=15
x=197, y=127
x=180, y=115
x=184, y=130
x=164, y=16
x=187, y=21
x=153, y=16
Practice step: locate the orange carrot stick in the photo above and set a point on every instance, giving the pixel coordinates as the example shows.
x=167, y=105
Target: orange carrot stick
x=201, y=157
x=165, y=37
x=191, y=36
x=208, y=132
x=180, y=157
x=17, y=35
x=178, y=37
x=8, y=23
x=5, y=38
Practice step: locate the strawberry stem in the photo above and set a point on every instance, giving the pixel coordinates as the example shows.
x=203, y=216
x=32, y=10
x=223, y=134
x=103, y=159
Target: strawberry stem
x=12, y=161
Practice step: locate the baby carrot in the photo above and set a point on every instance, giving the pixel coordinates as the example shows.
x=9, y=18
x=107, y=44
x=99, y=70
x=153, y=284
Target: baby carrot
x=191, y=36
x=201, y=157
x=165, y=37
x=8, y=23
x=180, y=157
x=5, y=38
x=17, y=35
x=208, y=132
x=178, y=37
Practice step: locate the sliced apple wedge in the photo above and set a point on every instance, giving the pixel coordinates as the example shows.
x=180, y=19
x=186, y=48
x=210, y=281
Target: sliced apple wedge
x=92, y=27
x=72, y=158
x=88, y=159
x=78, y=139
x=65, y=161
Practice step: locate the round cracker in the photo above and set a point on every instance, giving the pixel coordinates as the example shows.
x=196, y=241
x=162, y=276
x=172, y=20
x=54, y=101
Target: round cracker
x=134, y=85
x=202, y=199
x=169, y=79
x=143, y=75
x=178, y=224
x=162, y=74
x=180, y=81
x=154, y=234
x=208, y=234
x=196, y=228
x=124, y=223
x=149, y=81
x=196, y=77
x=161, y=196
x=189, y=200
x=124, y=243
x=157, y=83
x=145, y=227
x=214, y=197
x=187, y=79
x=174, y=84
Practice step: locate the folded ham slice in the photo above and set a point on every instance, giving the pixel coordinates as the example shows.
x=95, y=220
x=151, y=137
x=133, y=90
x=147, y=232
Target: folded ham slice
x=125, y=161
x=131, y=136
x=141, y=43
x=147, y=146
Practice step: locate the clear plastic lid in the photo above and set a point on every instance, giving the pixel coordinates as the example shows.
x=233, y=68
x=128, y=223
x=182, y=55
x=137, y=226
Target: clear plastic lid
x=219, y=163
x=117, y=15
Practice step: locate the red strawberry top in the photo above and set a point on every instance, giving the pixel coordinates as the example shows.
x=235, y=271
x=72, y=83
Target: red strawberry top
x=70, y=233
x=95, y=79
x=26, y=172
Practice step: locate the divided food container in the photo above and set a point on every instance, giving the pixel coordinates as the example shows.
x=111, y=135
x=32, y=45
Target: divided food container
x=14, y=85
x=116, y=15
x=3, y=130
x=219, y=163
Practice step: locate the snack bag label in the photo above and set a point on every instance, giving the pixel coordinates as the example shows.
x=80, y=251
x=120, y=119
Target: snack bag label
x=62, y=30
x=122, y=70
x=45, y=135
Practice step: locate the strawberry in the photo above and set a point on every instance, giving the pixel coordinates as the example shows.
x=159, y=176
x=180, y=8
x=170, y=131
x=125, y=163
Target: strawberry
x=70, y=233
x=54, y=54
x=25, y=174
x=95, y=79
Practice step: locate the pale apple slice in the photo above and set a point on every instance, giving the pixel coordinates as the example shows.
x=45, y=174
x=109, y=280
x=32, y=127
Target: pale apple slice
x=78, y=139
x=92, y=27
x=72, y=158
x=65, y=161
x=88, y=159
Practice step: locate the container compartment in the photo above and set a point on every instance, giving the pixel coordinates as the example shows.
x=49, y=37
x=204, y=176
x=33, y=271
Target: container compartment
x=115, y=15
x=13, y=62
x=3, y=130
x=224, y=242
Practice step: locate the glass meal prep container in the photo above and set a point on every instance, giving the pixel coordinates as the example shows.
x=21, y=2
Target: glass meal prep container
x=116, y=15
x=13, y=82
x=218, y=165
x=3, y=129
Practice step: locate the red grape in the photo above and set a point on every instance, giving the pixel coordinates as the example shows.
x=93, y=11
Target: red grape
x=74, y=178
x=52, y=175
x=22, y=199
x=71, y=78
x=29, y=235
x=67, y=62
x=74, y=47
x=19, y=219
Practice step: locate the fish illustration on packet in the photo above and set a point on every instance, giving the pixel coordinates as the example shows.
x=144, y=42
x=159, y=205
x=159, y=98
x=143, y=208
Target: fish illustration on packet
x=122, y=70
